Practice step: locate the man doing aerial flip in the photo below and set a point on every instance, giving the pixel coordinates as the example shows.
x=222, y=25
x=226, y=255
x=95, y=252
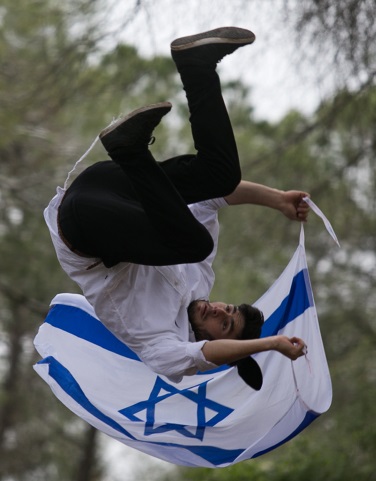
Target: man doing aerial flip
x=139, y=237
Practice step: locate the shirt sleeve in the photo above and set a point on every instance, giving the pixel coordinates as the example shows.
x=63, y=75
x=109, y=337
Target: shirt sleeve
x=176, y=359
x=206, y=210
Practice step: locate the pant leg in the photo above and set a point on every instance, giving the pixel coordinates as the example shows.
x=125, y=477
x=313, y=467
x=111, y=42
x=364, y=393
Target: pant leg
x=131, y=214
x=215, y=170
x=145, y=220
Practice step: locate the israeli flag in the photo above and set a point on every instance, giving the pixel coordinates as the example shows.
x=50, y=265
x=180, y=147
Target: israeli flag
x=212, y=419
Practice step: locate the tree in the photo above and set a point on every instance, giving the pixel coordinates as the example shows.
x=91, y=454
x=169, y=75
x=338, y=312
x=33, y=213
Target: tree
x=57, y=95
x=347, y=28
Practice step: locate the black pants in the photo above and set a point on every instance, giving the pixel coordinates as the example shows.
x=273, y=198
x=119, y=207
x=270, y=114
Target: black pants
x=133, y=209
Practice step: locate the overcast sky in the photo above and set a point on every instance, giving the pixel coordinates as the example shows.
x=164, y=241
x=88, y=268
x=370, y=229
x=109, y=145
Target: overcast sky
x=270, y=66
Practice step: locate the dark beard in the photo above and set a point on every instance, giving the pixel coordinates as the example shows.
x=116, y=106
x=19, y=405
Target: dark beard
x=191, y=315
x=200, y=334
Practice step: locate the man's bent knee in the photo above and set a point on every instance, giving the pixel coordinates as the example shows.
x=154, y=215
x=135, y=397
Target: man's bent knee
x=203, y=249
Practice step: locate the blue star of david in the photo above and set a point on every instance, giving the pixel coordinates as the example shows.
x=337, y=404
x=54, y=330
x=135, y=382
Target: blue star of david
x=196, y=394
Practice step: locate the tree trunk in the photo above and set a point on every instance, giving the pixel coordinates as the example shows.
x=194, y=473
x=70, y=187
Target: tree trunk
x=88, y=466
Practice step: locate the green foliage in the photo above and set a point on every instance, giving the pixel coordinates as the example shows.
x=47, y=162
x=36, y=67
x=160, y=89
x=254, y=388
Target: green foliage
x=57, y=99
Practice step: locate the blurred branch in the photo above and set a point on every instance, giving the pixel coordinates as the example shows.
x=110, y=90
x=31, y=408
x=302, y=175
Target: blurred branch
x=321, y=122
x=88, y=463
x=19, y=298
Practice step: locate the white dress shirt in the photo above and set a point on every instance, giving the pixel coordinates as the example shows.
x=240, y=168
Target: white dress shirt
x=146, y=306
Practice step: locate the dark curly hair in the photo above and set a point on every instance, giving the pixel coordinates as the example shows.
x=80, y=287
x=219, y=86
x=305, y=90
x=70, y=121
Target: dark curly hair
x=253, y=321
x=248, y=369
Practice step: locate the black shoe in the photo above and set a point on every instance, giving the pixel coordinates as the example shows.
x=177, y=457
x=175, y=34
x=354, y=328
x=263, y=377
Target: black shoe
x=135, y=129
x=208, y=48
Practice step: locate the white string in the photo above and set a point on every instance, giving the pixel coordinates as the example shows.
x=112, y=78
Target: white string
x=80, y=160
x=328, y=225
x=302, y=236
x=86, y=153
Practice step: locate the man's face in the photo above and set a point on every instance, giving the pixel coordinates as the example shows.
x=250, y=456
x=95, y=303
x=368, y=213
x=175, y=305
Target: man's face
x=216, y=320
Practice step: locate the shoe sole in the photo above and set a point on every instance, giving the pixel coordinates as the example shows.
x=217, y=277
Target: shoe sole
x=165, y=106
x=228, y=35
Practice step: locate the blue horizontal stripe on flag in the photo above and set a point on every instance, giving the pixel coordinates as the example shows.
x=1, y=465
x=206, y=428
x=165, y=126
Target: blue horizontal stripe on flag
x=295, y=303
x=214, y=455
x=83, y=325
x=69, y=385
x=308, y=419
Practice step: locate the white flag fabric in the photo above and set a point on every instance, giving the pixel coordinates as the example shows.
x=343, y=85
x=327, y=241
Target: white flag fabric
x=212, y=419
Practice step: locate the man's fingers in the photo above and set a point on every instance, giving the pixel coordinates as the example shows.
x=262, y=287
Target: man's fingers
x=301, y=348
x=302, y=211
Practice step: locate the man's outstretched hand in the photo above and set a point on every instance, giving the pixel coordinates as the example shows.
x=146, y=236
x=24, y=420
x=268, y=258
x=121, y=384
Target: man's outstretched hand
x=291, y=347
x=293, y=205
